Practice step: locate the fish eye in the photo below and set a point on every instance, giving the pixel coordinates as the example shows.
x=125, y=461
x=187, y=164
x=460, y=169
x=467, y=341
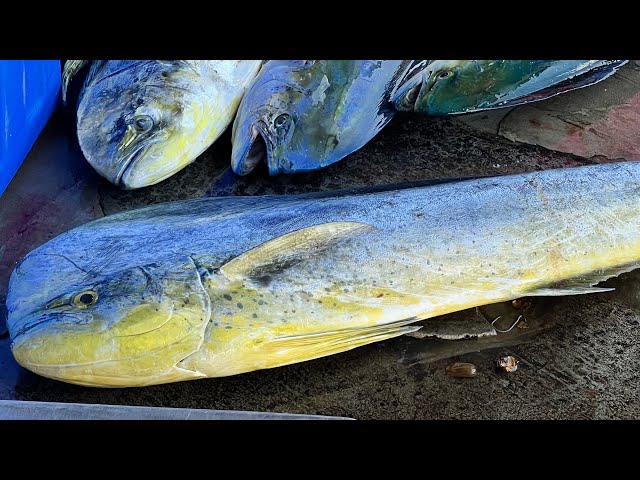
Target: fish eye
x=85, y=299
x=142, y=123
x=444, y=74
x=281, y=120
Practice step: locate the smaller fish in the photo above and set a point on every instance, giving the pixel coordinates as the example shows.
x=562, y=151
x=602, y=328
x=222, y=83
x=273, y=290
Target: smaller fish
x=301, y=115
x=447, y=87
x=141, y=121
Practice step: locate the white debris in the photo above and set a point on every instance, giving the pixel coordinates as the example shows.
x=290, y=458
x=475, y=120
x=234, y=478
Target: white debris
x=319, y=95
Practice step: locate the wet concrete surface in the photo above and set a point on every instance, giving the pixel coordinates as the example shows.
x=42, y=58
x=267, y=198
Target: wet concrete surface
x=577, y=356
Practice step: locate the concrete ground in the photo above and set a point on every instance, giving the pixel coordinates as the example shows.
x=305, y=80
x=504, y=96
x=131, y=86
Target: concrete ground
x=577, y=358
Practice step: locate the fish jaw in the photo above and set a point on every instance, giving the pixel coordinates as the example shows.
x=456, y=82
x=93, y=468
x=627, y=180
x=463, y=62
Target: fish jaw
x=109, y=374
x=250, y=148
x=254, y=146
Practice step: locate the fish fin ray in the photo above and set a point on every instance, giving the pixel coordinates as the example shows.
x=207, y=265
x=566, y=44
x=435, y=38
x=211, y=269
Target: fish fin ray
x=585, y=283
x=282, y=251
x=300, y=348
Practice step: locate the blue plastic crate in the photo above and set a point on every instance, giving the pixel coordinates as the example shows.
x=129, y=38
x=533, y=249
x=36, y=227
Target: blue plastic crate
x=29, y=91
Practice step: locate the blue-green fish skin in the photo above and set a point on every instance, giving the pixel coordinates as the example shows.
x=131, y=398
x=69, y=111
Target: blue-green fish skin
x=449, y=87
x=220, y=286
x=301, y=115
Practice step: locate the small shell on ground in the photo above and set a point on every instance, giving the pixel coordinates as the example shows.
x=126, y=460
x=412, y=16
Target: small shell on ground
x=462, y=370
x=507, y=363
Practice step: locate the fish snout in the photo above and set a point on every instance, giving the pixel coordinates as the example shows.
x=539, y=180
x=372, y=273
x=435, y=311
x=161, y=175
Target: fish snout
x=36, y=339
x=252, y=147
x=249, y=150
x=21, y=326
x=140, y=349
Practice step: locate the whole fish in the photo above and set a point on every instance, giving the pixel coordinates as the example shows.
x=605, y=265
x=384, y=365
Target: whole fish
x=303, y=115
x=221, y=286
x=446, y=87
x=141, y=121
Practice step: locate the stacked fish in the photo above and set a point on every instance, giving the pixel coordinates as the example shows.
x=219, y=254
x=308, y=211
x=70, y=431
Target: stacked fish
x=139, y=122
x=220, y=286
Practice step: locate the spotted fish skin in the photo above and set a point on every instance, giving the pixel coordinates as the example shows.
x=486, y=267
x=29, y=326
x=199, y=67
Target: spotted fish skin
x=221, y=286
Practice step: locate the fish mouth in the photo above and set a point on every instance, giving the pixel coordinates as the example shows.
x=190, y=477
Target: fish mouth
x=256, y=150
x=27, y=326
x=414, y=94
x=126, y=166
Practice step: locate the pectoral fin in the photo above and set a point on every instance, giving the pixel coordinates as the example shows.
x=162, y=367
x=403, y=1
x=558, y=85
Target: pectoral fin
x=299, y=348
x=292, y=247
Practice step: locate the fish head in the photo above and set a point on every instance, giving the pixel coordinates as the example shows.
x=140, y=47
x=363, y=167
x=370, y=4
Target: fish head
x=266, y=126
x=139, y=122
x=449, y=87
x=444, y=87
x=131, y=326
x=294, y=118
